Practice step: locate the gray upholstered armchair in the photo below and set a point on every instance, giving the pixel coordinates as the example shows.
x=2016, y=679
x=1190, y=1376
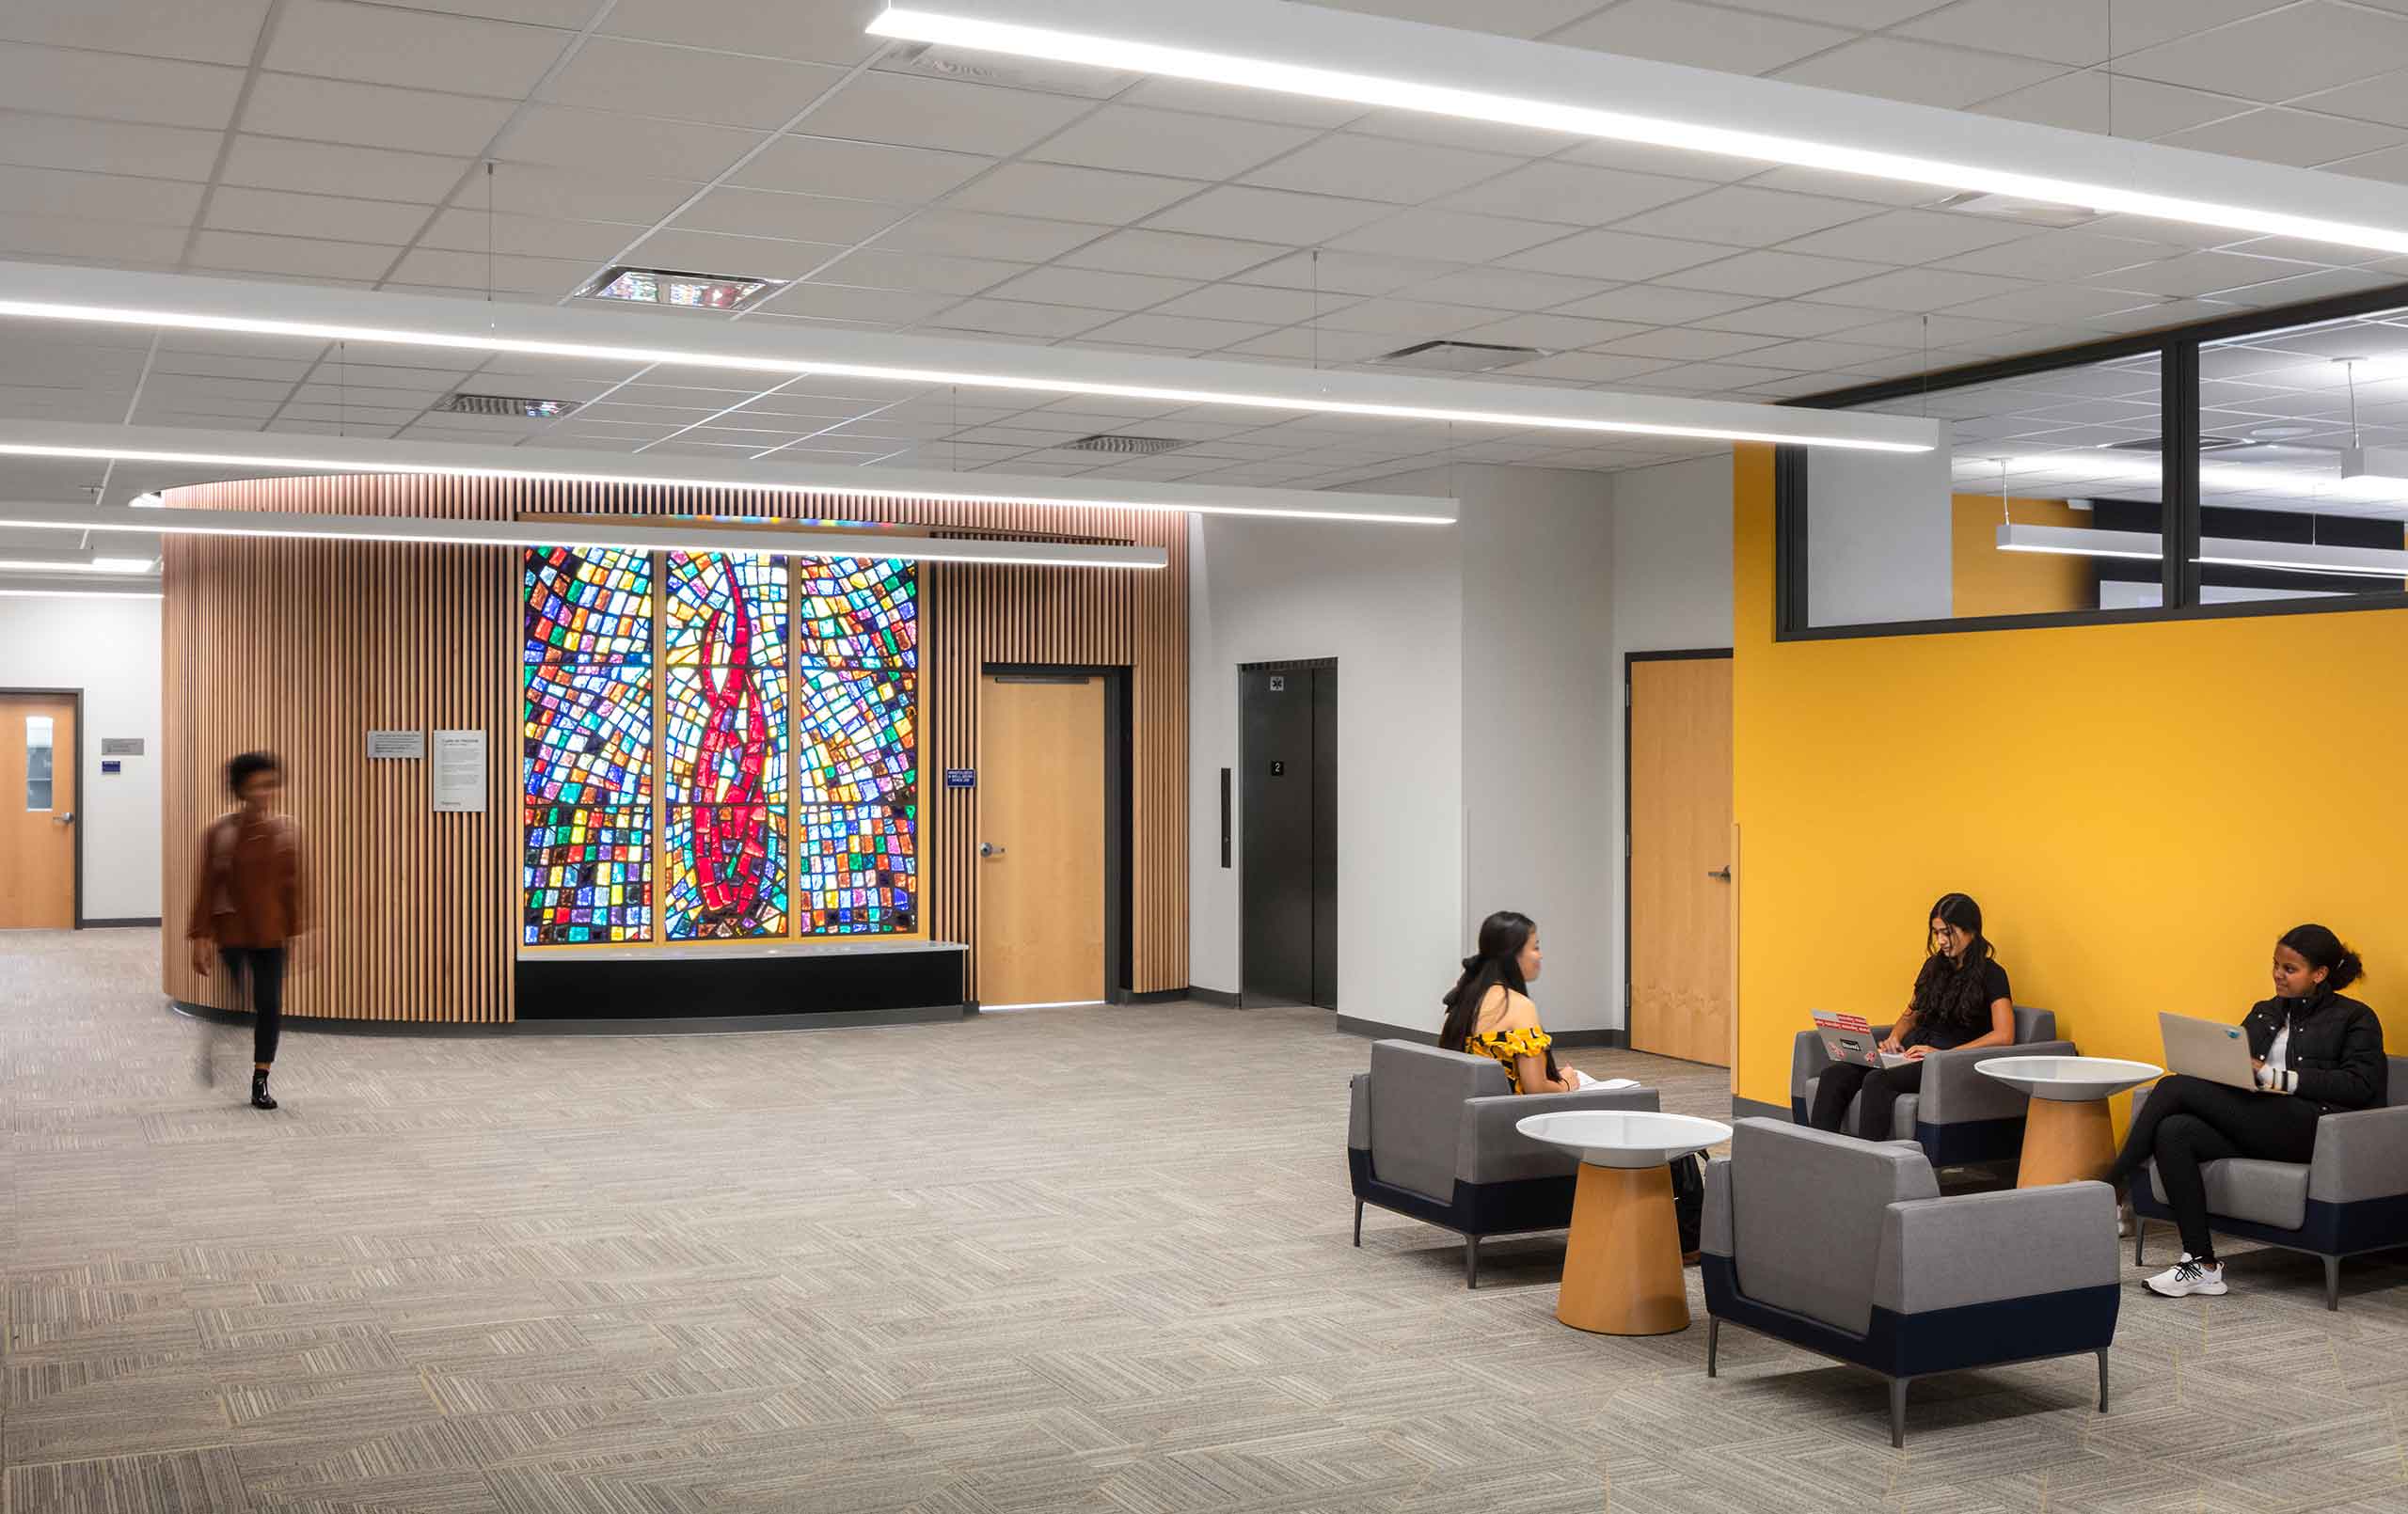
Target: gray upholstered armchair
x=1846, y=1247
x=2350, y=1196
x=1960, y=1118
x=1430, y=1135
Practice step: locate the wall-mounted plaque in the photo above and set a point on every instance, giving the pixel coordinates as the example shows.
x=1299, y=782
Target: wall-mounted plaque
x=387, y=745
x=120, y=746
x=458, y=778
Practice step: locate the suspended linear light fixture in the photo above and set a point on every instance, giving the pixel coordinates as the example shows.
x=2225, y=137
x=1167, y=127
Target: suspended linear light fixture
x=2147, y=546
x=1400, y=65
x=635, y=335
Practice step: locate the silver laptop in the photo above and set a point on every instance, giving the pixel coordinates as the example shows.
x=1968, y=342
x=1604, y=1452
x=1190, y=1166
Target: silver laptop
x=2210, y=1049
x=1849, y=1038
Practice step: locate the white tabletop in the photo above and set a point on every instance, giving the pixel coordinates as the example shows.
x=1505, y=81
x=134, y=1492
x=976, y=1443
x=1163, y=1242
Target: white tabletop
x=2070, y=1079
x=1624, y=1138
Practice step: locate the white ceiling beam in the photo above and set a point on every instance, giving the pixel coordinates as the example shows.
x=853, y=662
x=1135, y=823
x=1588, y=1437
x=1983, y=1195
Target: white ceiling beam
x=278, y=452
x=631, y=333
x=1378, y=62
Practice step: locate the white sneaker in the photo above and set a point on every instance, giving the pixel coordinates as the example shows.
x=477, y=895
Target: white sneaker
x=2187, y=1277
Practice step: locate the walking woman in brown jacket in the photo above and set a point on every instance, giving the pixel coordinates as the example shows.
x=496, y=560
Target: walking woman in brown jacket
x=250, y=901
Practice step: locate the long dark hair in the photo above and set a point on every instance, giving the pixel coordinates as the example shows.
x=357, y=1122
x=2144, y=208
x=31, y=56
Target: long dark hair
x=1497, y=964
x=1952, y=992
x=2320, y=948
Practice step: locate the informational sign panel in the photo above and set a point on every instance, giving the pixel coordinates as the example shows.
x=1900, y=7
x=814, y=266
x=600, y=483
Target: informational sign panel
x=386, y=745
x=120, y=746
x=112, y=766
x=962, y=777
x=458, y=778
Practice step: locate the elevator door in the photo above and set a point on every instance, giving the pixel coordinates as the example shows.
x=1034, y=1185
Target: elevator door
x=1288, y=787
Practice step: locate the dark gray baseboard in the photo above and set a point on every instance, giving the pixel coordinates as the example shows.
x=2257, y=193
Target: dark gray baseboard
x=1380, y=1029
x=129, y=923
x=1153, y=995
x=680, y=1025
x=1606, y=1036
x=1741, y=1108
x=1217, y=998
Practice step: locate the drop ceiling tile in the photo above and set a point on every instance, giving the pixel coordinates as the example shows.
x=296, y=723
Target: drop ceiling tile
x=1936, y=332
x=1864, y=15
x=1072, y=194
x=386, y=44
x=1185, y=333
x=367, y=115
x=1316, y=347
x=1081, y=286
x=1667, y=162
x=1344, y=272
x=715, y=252
x=466, y=273
x=1745, y=216
x=1251, y=302
x=1269, y=215
x=98, y=196
x=2072, y=32
x=1688, y=343
x=1172, y=254
x=688, y=84
x=1445, y=234
x=823, y=31
x=1506, y=18
x=1656, y=306
x=2141, y=24
x=1912, y=237
x=2288, y=137
x=563, y=138
x=1920, y=288
x=150, y=91
x=1012, y=318
x=944, y=114
x=1846, y=186
x=2060, y=255
x=1374, y=168
x=763, y=212
x=1818, y=355
x=1705, y=37
x=2048, y=304
x=107, y=147
x=1616, y=254
x=1245, y=104
x=221, y=32
x=2380, y=99
x=274, y=163
x=2313, y=285
x=117, y=243
x=1516, y=142
x=243, y=253
x=2113, y=106
x=1720, y=378
x=1572, y=194
x=1506, y=290
x=1555, y=333
x=1405, y=319
x=1772, y=274
x=2296, y=51
x=859, y=171
x=1590, y=368
x=2200, y=272
x=280, y=213
x=1895, y=68
x=573, y=194
x=1137, y=140
x=916, y=273
x=1008, y=238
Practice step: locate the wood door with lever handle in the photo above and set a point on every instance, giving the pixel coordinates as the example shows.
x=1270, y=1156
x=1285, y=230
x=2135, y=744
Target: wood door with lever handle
x=38, y=812
x=1680, y=877
x=1040, y=840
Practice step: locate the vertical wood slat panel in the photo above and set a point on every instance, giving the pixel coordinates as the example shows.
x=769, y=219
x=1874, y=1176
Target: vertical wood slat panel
x=300, y=646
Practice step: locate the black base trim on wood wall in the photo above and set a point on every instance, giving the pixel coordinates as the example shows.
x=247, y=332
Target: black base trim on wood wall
x=1158, y=996
x=1215, y=997
x=668, y=984
x=683, y=1025
x=129, y=923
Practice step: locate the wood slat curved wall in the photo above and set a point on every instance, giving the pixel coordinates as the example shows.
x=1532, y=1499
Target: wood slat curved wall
x=302, y=647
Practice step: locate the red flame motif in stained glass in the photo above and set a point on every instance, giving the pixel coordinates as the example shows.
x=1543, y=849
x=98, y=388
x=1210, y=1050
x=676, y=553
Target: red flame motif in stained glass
x=730, y=826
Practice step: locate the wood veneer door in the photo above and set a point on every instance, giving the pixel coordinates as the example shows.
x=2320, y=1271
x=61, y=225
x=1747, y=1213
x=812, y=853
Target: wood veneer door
x=37, y=813
x=1681, y=878
x=1040, y=840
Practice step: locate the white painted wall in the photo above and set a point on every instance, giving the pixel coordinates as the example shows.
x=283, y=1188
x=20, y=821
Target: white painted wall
x=108, y=648
x=1879, y=537
x=1671, y=593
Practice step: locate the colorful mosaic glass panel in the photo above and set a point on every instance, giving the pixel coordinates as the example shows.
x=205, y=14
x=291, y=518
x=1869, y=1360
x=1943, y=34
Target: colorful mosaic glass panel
x=859, y=739
x=725, y=735
x=856, y=869
x=589, y=734
x=587, y=875
x=725, y=610
x=858, y=612
x=587, y=607
x=727, y=872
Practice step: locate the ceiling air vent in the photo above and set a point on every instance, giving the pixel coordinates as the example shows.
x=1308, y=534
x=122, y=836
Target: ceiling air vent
x=1125, y=445
x=929, y=60
x=515, y=405
x=1459, y=356
x=2021, y=212
x=2155, y=444
x=689, y=292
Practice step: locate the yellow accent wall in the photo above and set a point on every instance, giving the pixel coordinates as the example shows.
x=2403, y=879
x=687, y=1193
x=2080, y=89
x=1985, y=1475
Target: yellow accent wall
x=1991, y=582
x=2140, y=809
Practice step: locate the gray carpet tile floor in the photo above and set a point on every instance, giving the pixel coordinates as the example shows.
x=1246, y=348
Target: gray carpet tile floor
x=1088, y=1260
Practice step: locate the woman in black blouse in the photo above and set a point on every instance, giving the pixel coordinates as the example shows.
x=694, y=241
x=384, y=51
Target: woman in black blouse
x=1960, y=999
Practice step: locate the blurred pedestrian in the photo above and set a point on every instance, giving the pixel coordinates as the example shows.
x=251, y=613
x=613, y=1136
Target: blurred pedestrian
x=250, y=904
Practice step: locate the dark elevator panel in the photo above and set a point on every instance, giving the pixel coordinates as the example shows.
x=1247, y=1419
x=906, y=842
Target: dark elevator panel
x=1287, y=789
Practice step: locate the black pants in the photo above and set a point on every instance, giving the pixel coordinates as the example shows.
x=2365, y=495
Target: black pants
x=2189, y=1120
x=1882, y=1087
x=257, y=974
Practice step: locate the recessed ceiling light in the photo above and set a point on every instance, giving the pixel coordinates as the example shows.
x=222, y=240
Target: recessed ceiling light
x=633, y=335
x=1382, y=63
x=1459, y=356
x=504, y=404
x=685, y=291
x=1126, y=444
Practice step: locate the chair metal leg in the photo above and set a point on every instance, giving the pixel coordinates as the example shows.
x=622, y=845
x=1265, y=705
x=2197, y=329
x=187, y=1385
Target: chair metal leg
x=2102, y=1379
x=1471, y=1261
x=1713, y=1341
x=1898, y=1412
x=2140, y=1237
x=1358, y=1221
x=2333, y=1283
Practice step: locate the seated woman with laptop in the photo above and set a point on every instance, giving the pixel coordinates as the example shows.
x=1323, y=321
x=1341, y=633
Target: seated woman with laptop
x=2312, y=1052
x=1960, y=999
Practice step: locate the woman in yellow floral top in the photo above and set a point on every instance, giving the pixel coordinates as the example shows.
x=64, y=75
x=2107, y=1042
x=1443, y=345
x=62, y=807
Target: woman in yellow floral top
x=1490, y=1015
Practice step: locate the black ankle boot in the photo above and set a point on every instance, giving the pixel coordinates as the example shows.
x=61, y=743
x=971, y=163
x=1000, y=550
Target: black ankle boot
x=260, y=1099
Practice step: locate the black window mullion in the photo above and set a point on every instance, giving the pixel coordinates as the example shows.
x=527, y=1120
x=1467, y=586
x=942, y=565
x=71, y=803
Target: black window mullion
x=2178, y=473
x=1789, y=589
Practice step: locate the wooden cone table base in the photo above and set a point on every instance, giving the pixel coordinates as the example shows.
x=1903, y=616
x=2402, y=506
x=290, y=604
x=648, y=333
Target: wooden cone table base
x=1621, y=1267
x=2065, y=1140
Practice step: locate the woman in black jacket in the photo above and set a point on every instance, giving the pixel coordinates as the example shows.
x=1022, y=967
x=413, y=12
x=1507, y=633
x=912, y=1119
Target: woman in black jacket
x=2315, y=1052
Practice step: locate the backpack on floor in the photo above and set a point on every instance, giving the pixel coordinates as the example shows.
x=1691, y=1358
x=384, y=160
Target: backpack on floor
x=1689, y=1199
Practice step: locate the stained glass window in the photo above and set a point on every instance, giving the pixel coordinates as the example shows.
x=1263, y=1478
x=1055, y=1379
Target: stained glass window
x=856, y=746
x=725, y=742
x=726, y=871
x=856, y=868
x=587, y=760
x=858, y=613
x=725, y=610
x=858, y=737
